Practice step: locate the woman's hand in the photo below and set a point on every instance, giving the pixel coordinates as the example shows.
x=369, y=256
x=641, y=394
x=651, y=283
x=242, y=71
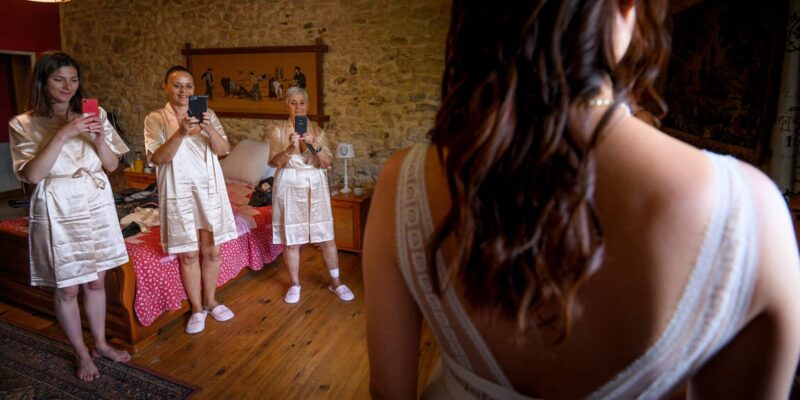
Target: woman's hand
x=311, y=140
x=80, y=124
x=295, y=139
x=96, y=133
x=189, y=125
x=206, y=121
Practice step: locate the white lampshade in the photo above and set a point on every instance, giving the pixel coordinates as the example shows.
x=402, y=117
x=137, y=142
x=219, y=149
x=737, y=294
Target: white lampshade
x=345, y=150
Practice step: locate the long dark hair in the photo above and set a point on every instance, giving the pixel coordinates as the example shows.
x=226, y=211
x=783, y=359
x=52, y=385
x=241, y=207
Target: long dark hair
x=40, y=101
x=520, y=176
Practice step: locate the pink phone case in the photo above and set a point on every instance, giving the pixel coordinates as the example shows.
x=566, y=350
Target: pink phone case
x=90, y=106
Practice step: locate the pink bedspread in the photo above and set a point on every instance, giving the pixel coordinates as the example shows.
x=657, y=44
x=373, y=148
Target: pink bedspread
x=158, y=281
x=19, y=224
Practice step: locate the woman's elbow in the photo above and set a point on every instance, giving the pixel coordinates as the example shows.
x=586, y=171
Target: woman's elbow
x=158, y=161
x=27, y=178
x=112, y=166
x=29, y=175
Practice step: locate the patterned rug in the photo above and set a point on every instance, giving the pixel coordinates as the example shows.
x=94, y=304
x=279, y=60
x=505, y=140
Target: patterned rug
x=36, y=367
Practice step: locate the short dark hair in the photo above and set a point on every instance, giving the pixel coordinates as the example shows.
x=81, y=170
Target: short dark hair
x=176, y=68
x=39, y=100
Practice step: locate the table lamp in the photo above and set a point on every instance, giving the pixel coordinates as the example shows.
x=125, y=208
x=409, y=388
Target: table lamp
x=345, y=151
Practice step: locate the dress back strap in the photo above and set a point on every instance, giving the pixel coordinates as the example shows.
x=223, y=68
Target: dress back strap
x=446, y=316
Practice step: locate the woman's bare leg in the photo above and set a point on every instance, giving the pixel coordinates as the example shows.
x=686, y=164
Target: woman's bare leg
x=291, y=257
x=65, y=301
x=94, y=304
x=331, y=256
x=210, y=263
x=190, y=275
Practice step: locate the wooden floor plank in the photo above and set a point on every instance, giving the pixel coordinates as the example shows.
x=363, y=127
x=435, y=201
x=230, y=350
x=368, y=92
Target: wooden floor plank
x=315, y=349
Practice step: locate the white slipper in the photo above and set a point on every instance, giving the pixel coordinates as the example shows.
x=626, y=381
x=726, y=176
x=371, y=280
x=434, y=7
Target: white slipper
x=292, y=295
x=197, y=322
x=343, y=292
x=221, y=313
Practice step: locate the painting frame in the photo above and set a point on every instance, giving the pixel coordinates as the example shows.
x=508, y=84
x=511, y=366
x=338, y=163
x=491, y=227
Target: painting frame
x=251, y=82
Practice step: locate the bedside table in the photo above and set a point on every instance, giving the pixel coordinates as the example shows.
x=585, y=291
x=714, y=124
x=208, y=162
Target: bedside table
x=349, y=217
x=139, y=180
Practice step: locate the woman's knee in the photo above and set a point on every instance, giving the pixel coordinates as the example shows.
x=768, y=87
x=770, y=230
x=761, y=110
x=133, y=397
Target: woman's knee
x=189, y=257
x=211, y=253
x=97, y=284
x=67, y=293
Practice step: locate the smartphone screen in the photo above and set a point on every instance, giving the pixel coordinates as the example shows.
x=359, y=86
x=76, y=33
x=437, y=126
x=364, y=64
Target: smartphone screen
x=301, y=124
x=197, y=106
x=90, y=106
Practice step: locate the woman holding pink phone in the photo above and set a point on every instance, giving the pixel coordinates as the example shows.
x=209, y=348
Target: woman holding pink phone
x=196, y=215
x=74, y=232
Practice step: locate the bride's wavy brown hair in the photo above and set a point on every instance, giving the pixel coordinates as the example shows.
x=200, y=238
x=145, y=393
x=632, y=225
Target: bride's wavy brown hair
x=521, y=178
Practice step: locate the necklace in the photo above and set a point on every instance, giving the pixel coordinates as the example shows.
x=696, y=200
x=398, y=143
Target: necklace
x=600, y=102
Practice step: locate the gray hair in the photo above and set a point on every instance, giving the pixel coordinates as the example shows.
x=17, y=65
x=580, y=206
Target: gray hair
x=295, y=90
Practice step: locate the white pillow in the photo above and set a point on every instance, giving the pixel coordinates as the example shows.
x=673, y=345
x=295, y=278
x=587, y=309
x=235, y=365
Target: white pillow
x=247, y=162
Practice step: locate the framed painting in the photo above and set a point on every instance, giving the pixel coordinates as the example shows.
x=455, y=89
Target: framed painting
x=723, y=76
x=251, y=82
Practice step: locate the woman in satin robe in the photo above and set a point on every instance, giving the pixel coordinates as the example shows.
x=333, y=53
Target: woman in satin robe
x=301, y=202
x=73, y=230
x=196, y=215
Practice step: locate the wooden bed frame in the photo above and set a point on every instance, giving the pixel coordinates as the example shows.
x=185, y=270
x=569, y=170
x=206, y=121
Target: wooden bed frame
x=121, y=323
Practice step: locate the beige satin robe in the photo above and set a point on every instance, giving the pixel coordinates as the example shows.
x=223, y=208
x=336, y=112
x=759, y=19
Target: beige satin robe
x=301, y=200
x=74, y=231
x=191, y=188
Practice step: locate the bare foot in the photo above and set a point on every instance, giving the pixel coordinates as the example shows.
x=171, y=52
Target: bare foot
x=85, y=369
x=111, y=353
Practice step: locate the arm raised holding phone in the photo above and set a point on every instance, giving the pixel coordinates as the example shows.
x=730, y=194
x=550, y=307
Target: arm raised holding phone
x=183, y=139
x=321, y=155
x=210, y=124
x=288, y=142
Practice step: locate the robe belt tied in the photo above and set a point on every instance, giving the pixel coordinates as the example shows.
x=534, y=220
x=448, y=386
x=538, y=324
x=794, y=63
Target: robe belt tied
x=83, y=171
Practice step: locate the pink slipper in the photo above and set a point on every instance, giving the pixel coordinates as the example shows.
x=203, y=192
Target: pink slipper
x=197, y=322
x=221, y=313
x=343, y=292
x=292, y=295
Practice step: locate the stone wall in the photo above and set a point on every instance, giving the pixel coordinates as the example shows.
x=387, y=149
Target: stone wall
x=380, y=78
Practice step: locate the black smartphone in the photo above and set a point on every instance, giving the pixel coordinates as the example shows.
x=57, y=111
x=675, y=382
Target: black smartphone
x=197, y=106
x=301, y=124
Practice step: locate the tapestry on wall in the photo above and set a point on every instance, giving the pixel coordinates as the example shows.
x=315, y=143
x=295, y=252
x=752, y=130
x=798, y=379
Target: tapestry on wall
x=723, y=75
